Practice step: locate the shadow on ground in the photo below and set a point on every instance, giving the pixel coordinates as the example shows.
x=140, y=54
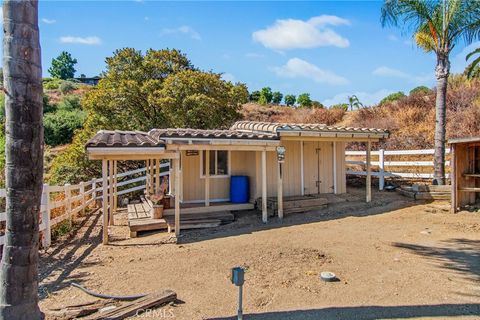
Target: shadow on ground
x=57, y=266
x=370, y=312
x=462, y=255
x=352, y=205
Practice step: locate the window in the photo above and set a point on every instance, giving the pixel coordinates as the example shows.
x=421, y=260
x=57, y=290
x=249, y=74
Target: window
x=218, y=164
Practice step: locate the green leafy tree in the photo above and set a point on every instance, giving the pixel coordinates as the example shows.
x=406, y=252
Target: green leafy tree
x=277, y=97
x=473, y=69
x=354, y=102
x=158, y=89
x=304, y=100
x=61, y=125
x=423, y=90
x=290, y=100
x=266, y=96
x=393, y=97
x=317, y=105
x=342, y=106
x=254, y=96
x=437, y=27
x=63, y=66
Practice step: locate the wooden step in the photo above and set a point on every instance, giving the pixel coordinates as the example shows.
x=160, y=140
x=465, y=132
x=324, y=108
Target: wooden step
x=193, y=224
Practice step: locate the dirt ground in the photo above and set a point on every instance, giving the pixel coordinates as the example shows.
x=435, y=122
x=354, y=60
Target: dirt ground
x=395, y=258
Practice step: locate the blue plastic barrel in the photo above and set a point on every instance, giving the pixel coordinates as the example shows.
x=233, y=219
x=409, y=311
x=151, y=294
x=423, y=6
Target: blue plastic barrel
x=239, y=189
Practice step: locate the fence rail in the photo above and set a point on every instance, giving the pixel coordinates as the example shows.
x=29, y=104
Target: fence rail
x=69, y=200
x=382, y=173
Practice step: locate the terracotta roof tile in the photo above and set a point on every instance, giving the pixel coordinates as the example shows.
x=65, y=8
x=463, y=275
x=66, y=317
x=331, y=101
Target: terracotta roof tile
x=212, y=134
x=117, y=138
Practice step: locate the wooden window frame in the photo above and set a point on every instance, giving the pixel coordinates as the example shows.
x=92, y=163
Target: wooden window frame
x=215, y=176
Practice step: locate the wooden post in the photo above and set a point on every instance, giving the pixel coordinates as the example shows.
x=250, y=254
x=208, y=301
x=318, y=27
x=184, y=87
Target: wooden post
x=157, y=175
x=68, y=201
x=207, y=178
x=170, y=175
x=381, y=171
x=47, y=232
x=82, y=193
x=105, y=201
x=302, y=176
x=453, y=177
x=115, y=196
x=177, y=196
x=110, y=193
x=369, y=172
x=280, y=190
x=335, y=187
x=264, y=187
x=152, y=176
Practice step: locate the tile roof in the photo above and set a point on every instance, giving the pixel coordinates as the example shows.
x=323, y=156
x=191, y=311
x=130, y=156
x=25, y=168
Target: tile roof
x=214, y=134
x=273, y=127
x=117, y=138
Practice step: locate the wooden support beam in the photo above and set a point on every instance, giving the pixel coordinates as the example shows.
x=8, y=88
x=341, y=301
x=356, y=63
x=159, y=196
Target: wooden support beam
x=105, y=201
x=115, y=187
x=302, y=175
x=110, y=193
x=264, y=187
x=207, y=178
x=280, y=190
x=369, y=172
x=177, y=196
x=453, y=178
x=335, y=183
x=157, y=175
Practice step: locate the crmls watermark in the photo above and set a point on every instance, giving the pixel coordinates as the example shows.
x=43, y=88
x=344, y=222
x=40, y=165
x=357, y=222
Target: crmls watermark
x=155, y=314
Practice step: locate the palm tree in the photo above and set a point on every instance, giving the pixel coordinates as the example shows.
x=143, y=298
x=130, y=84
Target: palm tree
x=353, y=101
x=472, y=70
x=24, y=160
x=437, y=27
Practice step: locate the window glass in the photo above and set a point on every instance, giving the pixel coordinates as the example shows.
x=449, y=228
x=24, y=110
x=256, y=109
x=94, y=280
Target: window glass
x=212, y=162
x=222, y=162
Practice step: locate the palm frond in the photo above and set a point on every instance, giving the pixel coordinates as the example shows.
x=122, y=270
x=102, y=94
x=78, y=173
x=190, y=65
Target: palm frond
x=425, y=41
x=474, y=52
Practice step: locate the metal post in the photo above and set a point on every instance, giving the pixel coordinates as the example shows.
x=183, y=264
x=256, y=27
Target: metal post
x=240, y=302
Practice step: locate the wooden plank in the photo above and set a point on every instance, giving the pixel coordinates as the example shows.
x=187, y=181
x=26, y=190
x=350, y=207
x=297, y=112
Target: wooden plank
x=78, y=310
x=132, y=308
x=132, y=212
x=147, y=224
x=140, y=211
x=471, y=189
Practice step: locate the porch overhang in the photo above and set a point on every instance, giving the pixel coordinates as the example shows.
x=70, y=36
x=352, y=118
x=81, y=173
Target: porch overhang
x=129, y=153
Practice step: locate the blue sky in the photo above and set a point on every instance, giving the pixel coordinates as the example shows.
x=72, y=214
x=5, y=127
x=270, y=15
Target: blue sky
x=328, y=49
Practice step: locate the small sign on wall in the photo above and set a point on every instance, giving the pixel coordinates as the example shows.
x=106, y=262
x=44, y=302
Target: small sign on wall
x=192, y=153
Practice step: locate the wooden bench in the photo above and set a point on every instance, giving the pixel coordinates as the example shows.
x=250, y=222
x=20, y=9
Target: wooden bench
x=140, y=218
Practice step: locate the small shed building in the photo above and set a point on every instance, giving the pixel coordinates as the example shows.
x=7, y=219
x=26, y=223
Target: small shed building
x=202, y=162
x=465, y=171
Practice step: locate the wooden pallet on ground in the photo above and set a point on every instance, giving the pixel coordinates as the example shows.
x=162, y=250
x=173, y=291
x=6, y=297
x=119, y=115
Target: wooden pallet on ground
x=294, y=204
x=200, y=221
x=426, y=192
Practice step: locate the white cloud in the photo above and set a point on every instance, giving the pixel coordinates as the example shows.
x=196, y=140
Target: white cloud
x=384, y=71
x=186, y=30
x=228, y=77
x=367, y=98
x=48, y=21
x=298, y=68
x=93, y=40
x=254, y=55
x=292, y=33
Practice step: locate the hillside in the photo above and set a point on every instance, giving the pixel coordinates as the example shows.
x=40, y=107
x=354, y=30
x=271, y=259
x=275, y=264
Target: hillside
x=411, y=119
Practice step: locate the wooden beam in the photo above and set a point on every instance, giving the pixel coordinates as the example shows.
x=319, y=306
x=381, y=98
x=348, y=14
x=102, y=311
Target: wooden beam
x=176, y=147
x=369, y=172
x=345, y=139
x=279, y=190
x=302, y=174
x=207, y=178
x=264, y=187
x=453, y=178
x=334, y=147
x=105, y=201
x=115, y=187
x=177, y=196
x=110, y=193
x=157, y=175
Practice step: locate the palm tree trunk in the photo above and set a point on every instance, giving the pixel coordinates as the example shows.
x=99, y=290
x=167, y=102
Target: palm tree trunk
x=442, y=72
x=24, y=160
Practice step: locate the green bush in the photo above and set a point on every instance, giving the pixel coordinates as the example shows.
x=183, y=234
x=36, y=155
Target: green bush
x=51, y=83
x=420, y=90
x=61, y=125
x=67, y=87
x=393, y=97
x=69, y=103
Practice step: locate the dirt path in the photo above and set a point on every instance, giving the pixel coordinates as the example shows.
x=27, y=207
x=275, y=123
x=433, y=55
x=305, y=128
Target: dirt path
x=395, y=259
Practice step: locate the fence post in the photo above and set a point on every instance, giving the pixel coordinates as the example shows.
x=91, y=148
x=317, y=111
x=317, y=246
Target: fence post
x=381, y=173
x=94, y=192
x=68, y=201
x=47, y=235
x=82, y=192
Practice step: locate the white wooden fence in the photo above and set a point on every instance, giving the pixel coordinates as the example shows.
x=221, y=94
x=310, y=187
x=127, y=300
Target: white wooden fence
x=382, y=164
x=75, y=198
